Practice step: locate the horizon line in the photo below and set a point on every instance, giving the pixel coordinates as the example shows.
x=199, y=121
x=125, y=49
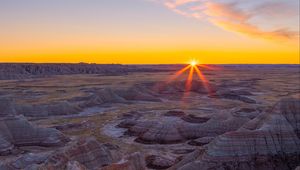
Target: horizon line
x=147, y=63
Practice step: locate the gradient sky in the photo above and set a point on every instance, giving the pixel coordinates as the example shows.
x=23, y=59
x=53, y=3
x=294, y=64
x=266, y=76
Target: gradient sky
x=149, y=31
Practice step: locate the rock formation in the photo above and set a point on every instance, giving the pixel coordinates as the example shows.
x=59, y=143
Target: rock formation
x=16, y=131
x=101, y=97
x=269, y=141
x=175, y=130
x=87, y=152
x=81, y=154
x=108, y=96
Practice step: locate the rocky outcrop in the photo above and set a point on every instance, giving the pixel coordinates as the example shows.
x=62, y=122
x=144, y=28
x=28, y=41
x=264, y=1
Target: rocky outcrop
x=108, y=96
x=16, y=131
x=80, y=154
x=150, y=91
x=269, y=141
x=270, y=133
x=89, y=153
x=102, y=96
x=174, y=130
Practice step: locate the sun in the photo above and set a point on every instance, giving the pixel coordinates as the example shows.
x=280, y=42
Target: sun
x=193, y=63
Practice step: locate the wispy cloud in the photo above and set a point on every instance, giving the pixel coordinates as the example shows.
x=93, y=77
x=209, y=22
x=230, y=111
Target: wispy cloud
x=241, y=16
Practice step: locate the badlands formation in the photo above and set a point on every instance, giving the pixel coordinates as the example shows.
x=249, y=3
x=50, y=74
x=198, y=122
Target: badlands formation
x=116, y=117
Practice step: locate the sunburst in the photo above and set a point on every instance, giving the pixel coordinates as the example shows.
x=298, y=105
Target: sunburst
x=194, y=68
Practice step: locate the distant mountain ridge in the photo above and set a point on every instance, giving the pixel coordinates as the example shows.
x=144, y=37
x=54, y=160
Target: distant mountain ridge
x=10, y=71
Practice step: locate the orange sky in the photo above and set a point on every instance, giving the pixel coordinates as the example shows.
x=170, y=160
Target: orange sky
x=143, y=32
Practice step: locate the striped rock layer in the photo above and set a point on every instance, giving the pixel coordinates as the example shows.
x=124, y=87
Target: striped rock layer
x=176, y=130
x=16, y=131
x=89, y=153
x=269, y=141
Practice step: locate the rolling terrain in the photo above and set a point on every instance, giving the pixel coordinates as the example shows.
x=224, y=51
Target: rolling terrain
x=110, y=117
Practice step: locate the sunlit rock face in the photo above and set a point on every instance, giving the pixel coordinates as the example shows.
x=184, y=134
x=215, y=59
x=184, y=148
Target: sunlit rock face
x=16, y=131
x=268, y=141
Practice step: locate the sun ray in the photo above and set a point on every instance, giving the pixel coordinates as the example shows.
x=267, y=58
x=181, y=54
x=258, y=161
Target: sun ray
x=203, y=79
x=189, y=81
x=192, y=67
x=178, y=73
x=161, y=86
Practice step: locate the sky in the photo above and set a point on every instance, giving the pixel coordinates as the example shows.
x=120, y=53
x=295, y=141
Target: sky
x=150, y=31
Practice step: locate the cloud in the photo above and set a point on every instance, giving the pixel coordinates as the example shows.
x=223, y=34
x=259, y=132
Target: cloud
x=240, y=16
